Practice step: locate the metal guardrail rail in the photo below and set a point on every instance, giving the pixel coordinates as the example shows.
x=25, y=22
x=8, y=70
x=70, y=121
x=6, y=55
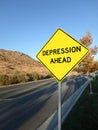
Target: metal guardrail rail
x=52, y=122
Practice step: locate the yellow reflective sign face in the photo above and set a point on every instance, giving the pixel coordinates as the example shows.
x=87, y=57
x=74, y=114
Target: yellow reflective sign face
x=61, y=54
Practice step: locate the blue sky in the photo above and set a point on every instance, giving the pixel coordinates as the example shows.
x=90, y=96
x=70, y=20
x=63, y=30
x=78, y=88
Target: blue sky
x=26, y=25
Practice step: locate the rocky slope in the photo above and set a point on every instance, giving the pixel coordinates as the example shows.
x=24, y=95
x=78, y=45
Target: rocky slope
x=13, y=61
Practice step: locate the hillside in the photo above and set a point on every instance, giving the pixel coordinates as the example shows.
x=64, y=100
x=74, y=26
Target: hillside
x=12, y=62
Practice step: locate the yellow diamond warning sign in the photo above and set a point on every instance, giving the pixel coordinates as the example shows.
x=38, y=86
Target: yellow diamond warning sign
x=61, y=54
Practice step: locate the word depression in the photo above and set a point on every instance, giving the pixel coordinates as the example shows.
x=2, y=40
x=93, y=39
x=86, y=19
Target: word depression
x=60, y=51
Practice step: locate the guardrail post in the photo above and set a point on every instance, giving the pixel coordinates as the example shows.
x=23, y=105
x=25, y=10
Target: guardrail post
x=91, y=88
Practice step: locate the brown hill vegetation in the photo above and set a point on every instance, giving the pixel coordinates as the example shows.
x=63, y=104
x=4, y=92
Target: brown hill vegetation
x=14, y=63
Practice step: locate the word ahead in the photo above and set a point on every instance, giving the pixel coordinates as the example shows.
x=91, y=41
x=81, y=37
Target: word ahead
x=61, y=54
x=60, y=60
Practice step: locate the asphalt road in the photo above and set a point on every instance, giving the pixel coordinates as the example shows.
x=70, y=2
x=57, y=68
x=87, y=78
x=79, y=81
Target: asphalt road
x=27, y=106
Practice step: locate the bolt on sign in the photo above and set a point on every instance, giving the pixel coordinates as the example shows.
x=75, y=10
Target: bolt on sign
x=61, y=54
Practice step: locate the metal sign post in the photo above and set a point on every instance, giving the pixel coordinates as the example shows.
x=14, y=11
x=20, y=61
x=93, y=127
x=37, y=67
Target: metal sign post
x=59, y=105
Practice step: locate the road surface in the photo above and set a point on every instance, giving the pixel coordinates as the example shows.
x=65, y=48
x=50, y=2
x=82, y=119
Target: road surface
x=28, y=105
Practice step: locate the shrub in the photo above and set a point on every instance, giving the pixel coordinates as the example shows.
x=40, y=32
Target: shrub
x=36, y=76
x=48, y=76
x=4, y=79
x=29, y=77
x=17, y=77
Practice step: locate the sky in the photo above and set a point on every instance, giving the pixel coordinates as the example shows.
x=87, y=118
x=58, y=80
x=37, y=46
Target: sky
x=26, y=25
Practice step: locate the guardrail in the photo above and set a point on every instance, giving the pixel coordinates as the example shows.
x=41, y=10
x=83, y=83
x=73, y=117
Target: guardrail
x=52, y=122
